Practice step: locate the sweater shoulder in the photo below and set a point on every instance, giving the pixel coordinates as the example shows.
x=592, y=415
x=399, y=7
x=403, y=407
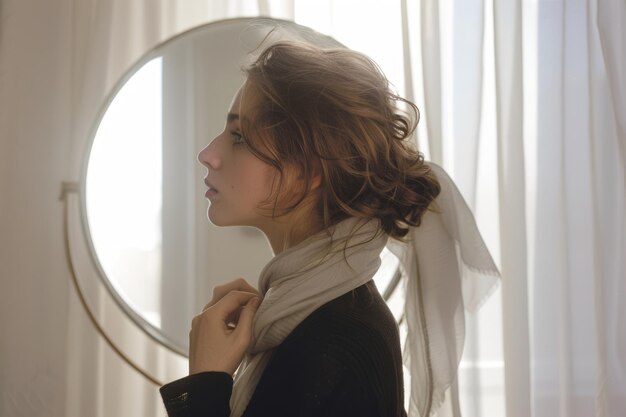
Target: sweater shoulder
x=352, y=338
x=359, y=318
x=355, y=332
x=345, y=354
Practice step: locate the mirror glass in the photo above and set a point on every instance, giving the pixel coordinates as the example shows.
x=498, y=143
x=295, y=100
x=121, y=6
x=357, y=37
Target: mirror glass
x=143, y=192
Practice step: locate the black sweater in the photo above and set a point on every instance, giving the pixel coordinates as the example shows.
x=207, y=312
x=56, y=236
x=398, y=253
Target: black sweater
x=343, y=360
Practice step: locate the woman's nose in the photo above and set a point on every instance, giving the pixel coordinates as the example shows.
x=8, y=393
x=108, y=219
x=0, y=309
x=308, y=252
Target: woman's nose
x=209, y=156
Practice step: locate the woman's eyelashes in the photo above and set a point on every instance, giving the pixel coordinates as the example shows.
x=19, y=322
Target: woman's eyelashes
x=237, y=138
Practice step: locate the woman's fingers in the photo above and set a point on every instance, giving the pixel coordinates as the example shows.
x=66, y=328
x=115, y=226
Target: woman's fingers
x=220, y=291
x=244, y=325
x=232, y=303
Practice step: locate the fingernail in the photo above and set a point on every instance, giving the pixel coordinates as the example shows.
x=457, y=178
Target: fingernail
x=255, y=302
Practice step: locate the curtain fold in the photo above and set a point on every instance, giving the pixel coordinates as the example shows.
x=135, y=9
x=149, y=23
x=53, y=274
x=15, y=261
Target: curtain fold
x=432, y=76
x=466, y=62
x=34, y=140
x=509, y=69
x=606, y=86
x=611, y=25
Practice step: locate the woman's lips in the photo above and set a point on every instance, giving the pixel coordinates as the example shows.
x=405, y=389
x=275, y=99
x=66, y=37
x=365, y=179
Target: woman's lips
x=211, y=191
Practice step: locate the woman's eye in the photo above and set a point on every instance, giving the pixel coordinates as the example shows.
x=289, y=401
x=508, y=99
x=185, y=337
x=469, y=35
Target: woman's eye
x=237, y=138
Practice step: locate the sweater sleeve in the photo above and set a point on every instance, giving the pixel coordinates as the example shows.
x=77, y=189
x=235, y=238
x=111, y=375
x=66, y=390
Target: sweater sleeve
x=308, y=391
x=198, y=395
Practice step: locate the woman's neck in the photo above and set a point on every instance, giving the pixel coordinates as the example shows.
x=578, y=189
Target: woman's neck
x=288, y=230
x=283, y=234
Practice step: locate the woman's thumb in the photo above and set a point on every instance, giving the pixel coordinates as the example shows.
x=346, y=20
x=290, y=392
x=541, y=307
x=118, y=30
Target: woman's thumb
x=244, y=325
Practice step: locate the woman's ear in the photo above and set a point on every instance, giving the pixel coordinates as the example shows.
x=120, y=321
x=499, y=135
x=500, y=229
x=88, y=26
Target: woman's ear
x=316, y=181
x=316, y=175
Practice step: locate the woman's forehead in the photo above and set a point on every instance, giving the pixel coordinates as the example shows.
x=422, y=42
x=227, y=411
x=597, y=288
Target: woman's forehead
x=235, y=103
x=244, y=102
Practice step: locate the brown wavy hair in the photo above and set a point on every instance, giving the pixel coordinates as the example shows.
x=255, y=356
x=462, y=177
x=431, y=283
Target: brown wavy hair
x=332, y=114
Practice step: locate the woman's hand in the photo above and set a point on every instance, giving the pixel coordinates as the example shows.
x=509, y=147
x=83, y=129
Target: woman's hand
x=221, y=334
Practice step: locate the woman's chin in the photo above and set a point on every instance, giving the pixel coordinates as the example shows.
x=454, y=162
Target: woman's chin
x=214, y=218
x=219, y=216
x=219, y=219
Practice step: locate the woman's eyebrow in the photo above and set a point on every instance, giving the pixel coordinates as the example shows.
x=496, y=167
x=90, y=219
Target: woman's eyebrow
x=230, y=117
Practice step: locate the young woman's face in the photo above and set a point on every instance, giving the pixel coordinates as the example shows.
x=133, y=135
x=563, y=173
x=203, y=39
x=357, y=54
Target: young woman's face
x=238, y=182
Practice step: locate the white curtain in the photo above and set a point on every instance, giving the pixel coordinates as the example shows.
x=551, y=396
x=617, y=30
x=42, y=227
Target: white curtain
x=523, y=103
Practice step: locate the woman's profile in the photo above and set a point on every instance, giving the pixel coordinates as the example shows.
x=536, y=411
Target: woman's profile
x=317, y=154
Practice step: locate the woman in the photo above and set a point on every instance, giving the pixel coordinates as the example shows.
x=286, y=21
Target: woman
x=317, y=155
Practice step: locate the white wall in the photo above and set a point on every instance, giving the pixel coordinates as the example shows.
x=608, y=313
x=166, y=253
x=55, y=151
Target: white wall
x=35, y=144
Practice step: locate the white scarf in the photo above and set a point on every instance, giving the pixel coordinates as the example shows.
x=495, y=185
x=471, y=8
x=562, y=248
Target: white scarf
x=444, y=265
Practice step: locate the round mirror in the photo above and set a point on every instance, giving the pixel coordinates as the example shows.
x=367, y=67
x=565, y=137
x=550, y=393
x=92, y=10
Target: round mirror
x=142, y=190
x=143, y=204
